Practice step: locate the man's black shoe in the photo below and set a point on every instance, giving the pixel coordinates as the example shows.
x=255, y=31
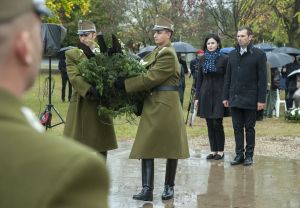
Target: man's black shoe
x=239, y=159
x=248, y=161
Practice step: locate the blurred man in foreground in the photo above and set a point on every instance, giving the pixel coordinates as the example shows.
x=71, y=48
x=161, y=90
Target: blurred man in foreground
x=37, y=170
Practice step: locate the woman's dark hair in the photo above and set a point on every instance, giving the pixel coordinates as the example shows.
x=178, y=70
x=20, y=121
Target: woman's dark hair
x=215, y=37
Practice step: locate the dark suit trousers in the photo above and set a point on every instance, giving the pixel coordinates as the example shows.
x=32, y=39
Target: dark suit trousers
x=244, y=119
x=216, y=134
x=65, y=80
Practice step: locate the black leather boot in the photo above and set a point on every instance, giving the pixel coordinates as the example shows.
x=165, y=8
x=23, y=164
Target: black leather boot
x=146, y=193
x=169, y=179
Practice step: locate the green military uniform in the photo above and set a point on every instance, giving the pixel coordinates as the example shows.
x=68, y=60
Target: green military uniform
x=83, y=123
x=41, y=171
x=161, y=132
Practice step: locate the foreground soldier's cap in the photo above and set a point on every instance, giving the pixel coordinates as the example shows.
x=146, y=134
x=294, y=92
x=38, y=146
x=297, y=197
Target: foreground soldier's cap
x=163, y=23
x=12, y=8
x=85, y=26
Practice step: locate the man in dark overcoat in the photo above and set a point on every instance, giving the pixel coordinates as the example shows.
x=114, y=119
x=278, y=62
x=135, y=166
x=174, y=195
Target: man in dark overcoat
x=37, y=170
x=161, y=132
x=245, y=89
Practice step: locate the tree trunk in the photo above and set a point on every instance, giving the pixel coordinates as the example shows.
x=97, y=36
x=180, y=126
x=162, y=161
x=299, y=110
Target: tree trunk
x=293, y=32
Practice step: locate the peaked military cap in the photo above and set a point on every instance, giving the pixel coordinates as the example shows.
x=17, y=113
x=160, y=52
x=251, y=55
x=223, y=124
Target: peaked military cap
x=13, y=8
x=85, y=26
x=163, y=23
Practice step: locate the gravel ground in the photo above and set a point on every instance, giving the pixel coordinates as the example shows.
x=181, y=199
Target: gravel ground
x=281, y=147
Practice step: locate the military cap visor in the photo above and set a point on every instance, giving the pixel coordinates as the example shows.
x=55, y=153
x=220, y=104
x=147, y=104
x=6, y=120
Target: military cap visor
x=163, y=23
x=12, y=8
x=85, y=32
x=85, y=27
x=160, y=28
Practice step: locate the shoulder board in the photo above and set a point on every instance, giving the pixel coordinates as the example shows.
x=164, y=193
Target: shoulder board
x=161, y=50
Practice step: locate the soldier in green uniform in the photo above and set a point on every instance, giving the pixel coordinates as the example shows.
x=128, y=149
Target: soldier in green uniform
x=161, y=132
x=37, y=170
x=83, y=123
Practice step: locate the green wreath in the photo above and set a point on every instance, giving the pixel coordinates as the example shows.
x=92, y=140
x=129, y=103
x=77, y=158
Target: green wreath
x=102, y=71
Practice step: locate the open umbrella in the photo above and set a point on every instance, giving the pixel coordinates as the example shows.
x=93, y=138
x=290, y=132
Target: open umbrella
x=182, y=47
x=226, y=50
x=278, y=59
x=294, y=73
x=144, y=51
x=265, y=46
x=288, y=50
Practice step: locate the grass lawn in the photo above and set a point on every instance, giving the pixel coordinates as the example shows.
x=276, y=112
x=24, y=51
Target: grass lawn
x=37, y=98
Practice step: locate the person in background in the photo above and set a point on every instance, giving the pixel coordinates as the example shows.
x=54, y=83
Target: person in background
x=195, y=64
x=161, y=132
x=38, y=170
x=296, y=96
x=290, y=82
x=83, y=123
x=194, y=67
x=64, y=78
x=209, y=94
x=272, y=91
x=245, y=89
x=183, y=71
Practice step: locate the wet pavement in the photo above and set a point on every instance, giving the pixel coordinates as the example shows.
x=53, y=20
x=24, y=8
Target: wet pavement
x=269, y=183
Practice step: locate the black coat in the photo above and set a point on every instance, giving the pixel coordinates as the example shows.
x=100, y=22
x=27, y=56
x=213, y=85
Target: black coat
x=246, y=78
x=209, y=90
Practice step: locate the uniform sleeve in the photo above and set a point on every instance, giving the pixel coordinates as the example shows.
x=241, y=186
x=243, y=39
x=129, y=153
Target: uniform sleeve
x=84, y=183
x=163, y=68
x=72, y=60
x=262, y=78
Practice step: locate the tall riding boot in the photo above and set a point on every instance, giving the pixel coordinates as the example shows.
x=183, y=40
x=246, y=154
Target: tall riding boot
x=147, y=179
x=169, y=179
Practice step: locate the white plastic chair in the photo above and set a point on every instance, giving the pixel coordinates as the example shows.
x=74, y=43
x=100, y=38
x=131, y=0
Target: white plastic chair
x=277, y=104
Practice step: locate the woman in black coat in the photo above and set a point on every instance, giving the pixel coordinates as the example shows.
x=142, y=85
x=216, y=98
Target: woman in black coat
x=209, y=94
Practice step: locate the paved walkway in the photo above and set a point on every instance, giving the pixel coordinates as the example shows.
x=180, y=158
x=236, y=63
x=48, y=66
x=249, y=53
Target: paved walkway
x=269, y=183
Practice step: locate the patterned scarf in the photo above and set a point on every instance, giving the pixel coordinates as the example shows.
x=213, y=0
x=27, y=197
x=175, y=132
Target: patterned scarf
x=210, y=61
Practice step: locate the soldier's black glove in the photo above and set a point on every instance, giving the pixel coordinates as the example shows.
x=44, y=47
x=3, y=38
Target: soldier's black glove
x=93, y=92
x=86, y=50
x=120, y=83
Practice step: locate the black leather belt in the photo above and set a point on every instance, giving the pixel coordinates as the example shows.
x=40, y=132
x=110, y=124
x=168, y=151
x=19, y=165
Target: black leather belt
x=165, y=88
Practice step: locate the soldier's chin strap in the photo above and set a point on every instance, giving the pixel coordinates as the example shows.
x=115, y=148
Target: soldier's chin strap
x=86, y=50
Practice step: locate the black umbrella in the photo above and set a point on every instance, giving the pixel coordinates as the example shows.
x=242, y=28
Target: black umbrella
x=278, y=59
x=288, y=50
x=265, y=46
x=182, y=47
x=144, y=51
